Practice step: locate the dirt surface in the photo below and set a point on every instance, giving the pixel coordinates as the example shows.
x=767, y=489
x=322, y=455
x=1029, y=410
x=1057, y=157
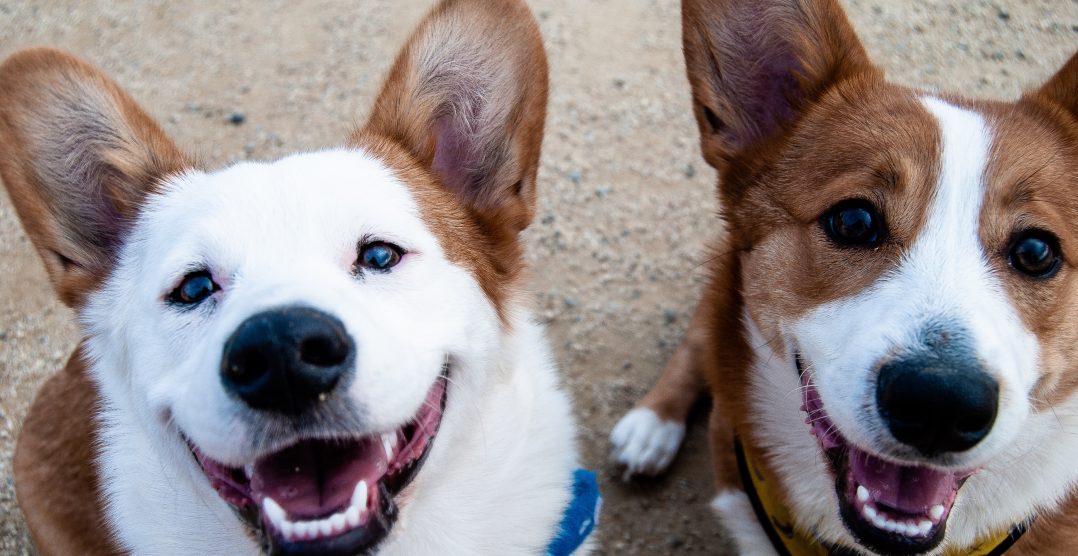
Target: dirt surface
x=626, y=205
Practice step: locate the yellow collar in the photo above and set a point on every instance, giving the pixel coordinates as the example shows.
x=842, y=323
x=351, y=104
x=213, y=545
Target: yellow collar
x=791, y=541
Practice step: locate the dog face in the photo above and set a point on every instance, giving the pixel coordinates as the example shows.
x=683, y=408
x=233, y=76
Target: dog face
x=294, y=335
x=905, y=262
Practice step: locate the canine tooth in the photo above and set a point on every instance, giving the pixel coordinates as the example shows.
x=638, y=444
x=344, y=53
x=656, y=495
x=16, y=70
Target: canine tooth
x=924, y=527
x=352, y=516
x=936, y=512
x=880, y=522
x=359, y=496
x=274, y=511
x=338, y=522
x=389, y=440
x=862, y=493
x=325, y=527
x=869, y=511
x=249, y=470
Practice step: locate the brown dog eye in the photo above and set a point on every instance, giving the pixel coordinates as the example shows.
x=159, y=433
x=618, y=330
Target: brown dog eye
x=1035, y=253
x=853, y=223
x=194, y=289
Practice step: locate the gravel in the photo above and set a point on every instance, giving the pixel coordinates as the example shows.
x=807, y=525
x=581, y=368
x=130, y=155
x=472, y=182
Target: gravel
x=626, y=207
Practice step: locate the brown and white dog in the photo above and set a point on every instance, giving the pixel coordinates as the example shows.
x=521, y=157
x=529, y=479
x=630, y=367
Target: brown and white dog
x=330, y=353
x=891, y=327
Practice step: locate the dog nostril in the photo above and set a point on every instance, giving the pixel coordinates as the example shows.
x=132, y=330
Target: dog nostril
x=323, y=351
x=247, y=367
x=973, y=424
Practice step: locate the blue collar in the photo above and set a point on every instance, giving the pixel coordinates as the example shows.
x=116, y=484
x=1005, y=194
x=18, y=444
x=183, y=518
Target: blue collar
x=580, y=517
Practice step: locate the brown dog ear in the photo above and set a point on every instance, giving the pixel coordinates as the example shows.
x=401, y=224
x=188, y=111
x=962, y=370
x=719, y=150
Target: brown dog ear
x=467, y=98
x=77, y=156
x=756, y=65
x=1062, y=88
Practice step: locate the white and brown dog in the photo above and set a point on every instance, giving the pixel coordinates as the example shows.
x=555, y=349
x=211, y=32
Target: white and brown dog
x=330, y=353
x=890, y=333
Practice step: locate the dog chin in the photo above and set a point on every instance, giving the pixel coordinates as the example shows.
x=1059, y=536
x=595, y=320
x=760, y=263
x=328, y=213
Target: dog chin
x=893, y=509
x=329, y=496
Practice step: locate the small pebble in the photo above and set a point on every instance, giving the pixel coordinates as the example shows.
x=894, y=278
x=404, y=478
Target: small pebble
x=1003, y=14
x=237, y=118
x=690, y=170
x=575, y=176
x=669, y=315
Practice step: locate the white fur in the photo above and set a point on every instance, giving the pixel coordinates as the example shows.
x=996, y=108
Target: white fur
x=1027, y=461
x=735, y=511
x=499, y=473
x=644, y=443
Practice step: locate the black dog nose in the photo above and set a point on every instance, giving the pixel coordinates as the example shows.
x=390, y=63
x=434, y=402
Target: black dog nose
x=937, y=401
x=285, y=360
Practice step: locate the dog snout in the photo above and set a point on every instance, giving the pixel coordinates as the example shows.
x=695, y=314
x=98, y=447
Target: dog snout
x=286, y=360
x=939, y=399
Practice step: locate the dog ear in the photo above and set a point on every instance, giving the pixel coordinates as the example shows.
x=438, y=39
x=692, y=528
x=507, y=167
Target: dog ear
x=1062, y=88
x=756, y=65
x=77, y=156
x=467, y=98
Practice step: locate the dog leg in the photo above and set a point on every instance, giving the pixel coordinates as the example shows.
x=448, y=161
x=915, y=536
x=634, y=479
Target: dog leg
x=735, y=511
x=647, y=438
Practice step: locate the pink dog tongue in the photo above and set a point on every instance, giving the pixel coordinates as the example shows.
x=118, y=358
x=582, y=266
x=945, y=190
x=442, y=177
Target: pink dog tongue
x=316, y=478
x=903, y=488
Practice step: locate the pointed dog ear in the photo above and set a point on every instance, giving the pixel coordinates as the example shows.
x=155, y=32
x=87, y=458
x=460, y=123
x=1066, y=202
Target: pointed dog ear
x=756, y=65
x=78, y=157
x=1062, y=88
x=467, y=98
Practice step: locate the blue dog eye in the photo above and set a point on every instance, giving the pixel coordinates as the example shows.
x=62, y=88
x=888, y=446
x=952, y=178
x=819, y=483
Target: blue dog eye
x=194, y=288
x=379, y=255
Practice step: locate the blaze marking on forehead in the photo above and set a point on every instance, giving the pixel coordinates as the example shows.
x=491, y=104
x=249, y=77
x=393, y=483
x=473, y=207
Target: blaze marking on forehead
x=954, y=213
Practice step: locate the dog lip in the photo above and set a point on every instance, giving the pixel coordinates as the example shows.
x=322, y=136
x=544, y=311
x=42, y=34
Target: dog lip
x=889, y=507
x=317, y=512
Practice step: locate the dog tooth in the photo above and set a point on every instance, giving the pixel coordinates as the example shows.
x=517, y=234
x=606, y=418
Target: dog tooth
x=862, y=493
x=924, y=527
x=288, y=529
x=249, y=470
x=325, y=527
x=311, y=529
x=870, y=511
x=359, y=495
x=273, y=511
x=338, y=521
x=352, y=516
x=936, y=512
x=389, y=441
x=879, y=521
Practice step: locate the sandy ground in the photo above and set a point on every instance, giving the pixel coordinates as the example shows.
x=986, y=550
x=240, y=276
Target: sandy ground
x=626, y=201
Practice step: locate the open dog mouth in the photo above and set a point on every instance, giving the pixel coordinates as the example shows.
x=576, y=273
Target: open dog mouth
x=890, y=508
x=329, y=496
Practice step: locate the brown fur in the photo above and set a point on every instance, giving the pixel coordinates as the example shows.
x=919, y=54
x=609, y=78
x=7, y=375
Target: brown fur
x=55, y=466
x=122, y=156
x=49, y=99
x=463, y=50
x=850, y=134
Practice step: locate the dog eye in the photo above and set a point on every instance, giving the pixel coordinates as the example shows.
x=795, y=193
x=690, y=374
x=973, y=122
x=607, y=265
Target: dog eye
x=378, y=255
x=853, y=223
x=1035, y=253
x=194, y=288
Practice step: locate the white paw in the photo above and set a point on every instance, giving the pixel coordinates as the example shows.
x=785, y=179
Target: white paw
x=645, y=444
x=736, y=513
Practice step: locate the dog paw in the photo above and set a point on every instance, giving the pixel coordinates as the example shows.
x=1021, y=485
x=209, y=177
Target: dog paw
x=645, y=444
